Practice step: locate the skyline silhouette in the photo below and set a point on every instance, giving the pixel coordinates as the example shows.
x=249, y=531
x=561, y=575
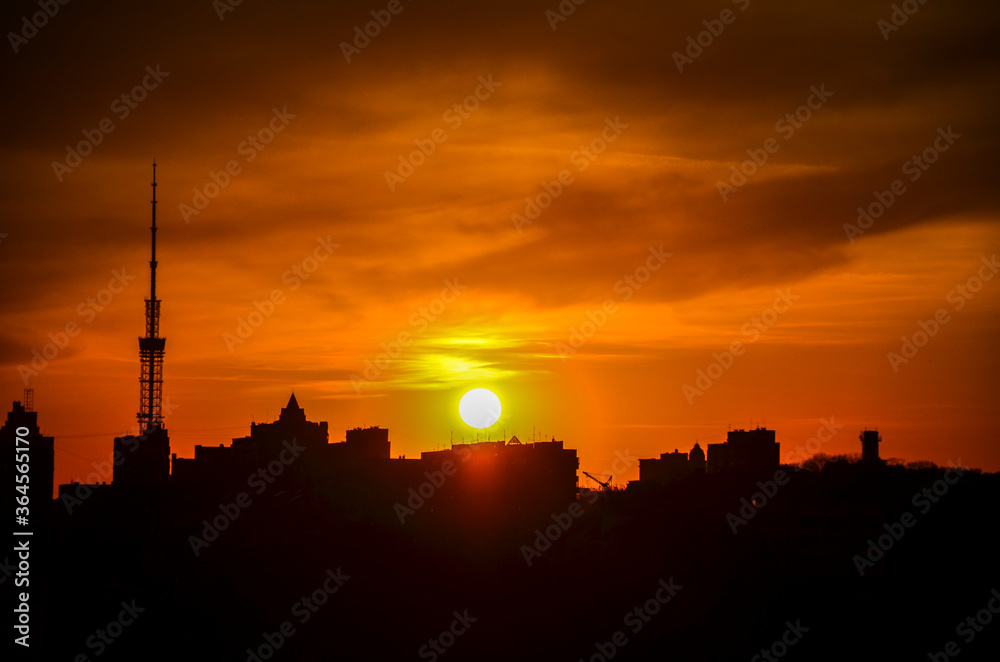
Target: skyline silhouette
x=452, y=542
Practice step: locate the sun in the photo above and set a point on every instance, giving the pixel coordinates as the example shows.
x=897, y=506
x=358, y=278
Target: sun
x=479, y=408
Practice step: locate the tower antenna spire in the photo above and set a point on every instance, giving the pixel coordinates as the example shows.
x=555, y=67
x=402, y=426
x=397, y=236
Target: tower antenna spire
x=152, y=346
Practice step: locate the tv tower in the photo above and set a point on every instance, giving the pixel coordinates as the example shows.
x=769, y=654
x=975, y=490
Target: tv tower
x=147, y=455
x=152, y=347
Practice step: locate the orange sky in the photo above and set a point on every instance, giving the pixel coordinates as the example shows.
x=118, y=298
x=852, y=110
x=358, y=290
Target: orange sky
x=641, y=149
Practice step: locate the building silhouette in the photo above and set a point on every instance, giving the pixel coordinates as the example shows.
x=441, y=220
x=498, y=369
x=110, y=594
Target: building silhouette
x=22, y=421
x=267, y=441
x=870, y=440
x=543, y=471
x=142, y=459
x=672, y=466
x=360, y=472
x=752, y=451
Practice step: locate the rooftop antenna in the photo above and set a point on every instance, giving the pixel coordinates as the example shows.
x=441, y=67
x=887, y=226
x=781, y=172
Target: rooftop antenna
x=152, y=346
x=29, y=399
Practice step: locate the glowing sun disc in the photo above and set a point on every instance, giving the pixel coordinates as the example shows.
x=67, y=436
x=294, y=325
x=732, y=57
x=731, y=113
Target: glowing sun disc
x=479, y=408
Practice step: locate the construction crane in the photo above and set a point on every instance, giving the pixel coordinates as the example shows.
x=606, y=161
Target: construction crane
x=605, y=485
